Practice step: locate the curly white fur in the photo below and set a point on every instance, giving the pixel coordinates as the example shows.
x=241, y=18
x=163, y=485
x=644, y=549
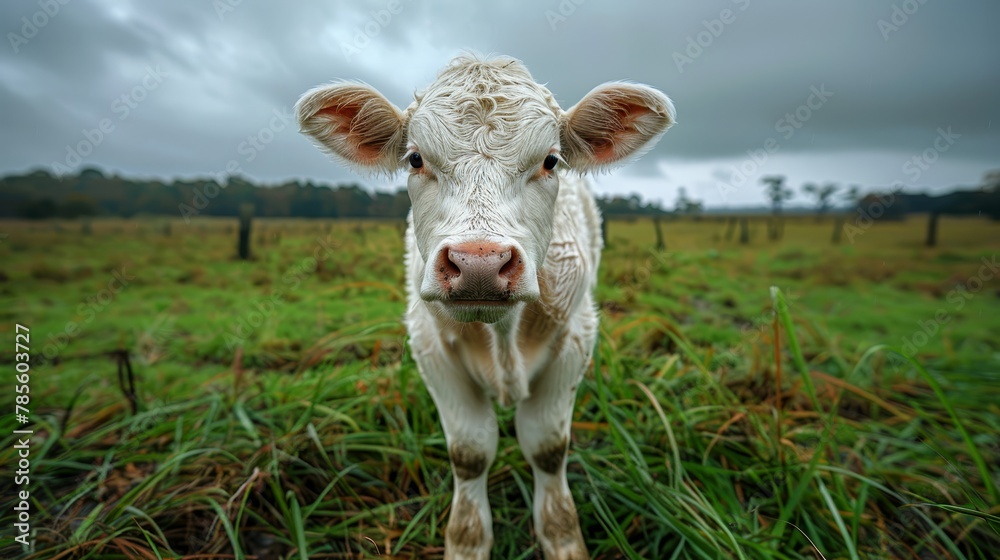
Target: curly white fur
x=483, y=130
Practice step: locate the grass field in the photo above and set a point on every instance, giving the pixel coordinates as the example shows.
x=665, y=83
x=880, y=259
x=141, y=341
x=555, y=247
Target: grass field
x=276, y=412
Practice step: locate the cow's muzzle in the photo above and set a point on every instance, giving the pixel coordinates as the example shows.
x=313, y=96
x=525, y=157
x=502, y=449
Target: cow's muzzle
x=478, y=272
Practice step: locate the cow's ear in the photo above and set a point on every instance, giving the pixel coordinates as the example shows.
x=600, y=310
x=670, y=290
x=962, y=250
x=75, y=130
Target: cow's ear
x=612, y=123
x=354, y=123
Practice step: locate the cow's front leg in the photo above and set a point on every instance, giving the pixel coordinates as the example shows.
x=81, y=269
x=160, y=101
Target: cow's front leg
x=470, y=429
x=543, y=430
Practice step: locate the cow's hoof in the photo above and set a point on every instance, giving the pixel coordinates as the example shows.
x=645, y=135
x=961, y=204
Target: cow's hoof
x=569, y=552
x=560, y=536
x=456, y=553
x=466, y=538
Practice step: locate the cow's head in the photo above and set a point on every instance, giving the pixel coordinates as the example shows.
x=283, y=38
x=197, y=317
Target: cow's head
x=482, y=146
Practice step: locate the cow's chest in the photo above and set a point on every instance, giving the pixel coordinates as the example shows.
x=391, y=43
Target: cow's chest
x=505, y=363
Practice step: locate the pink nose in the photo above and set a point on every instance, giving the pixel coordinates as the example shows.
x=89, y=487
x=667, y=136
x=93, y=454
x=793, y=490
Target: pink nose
x=479, y=270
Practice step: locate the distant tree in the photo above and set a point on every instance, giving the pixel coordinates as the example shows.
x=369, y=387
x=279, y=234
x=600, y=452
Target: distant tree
x=991, y=186
x=821, y=194
x=991, y=181
x=852, y=195
x=401, y=203
x=38, y=209
x=685, y=206
x=634, y=201
x=90, y=173
x=77, y=205
x=778, y=193
x=680, y=206
x=632, y=205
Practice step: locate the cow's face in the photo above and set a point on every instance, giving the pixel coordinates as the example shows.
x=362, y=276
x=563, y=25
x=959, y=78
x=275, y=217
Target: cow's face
x=482, y=146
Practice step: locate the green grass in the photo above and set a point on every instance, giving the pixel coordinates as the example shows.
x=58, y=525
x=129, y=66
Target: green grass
x=279, y=414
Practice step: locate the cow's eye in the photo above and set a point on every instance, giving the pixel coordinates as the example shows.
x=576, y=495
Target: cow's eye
x=416, y=161
x=550, y=163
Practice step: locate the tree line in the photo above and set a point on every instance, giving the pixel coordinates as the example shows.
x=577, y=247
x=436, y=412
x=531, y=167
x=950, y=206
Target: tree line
x=41, y=194
x=983, y=199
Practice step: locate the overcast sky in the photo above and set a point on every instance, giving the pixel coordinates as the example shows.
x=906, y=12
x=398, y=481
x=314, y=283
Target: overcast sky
x=849, y=91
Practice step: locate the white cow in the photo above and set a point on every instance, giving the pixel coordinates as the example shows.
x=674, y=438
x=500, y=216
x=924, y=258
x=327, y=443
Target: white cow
x=502, y=252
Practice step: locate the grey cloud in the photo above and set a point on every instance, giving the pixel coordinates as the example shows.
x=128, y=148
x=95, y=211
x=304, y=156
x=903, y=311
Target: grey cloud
x=228, y=73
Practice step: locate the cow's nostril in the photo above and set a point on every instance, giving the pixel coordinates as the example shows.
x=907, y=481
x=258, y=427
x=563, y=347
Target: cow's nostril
x=447, y=266
x=451, y=264
x=513, y=264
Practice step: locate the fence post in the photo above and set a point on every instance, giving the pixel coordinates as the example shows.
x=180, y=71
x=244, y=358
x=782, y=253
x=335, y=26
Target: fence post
x=932, y=227
x=731, y=228
x=659, y=234
x=246, y=215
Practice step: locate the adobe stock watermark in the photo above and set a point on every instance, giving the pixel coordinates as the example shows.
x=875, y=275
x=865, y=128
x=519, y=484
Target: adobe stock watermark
x=364, y=34
x=122, y=106
x=223, y=7
x=914, y=167
x=562, y=13
x=32, y=25
x=641, y=275
x=957, y=297
x=263, y=308
x=249, y=148
x=787, y=126
x=758, y=327
x=88, y=310
x=713, y=29
x=900, y=16
x=871, y=209
x=151, y=342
